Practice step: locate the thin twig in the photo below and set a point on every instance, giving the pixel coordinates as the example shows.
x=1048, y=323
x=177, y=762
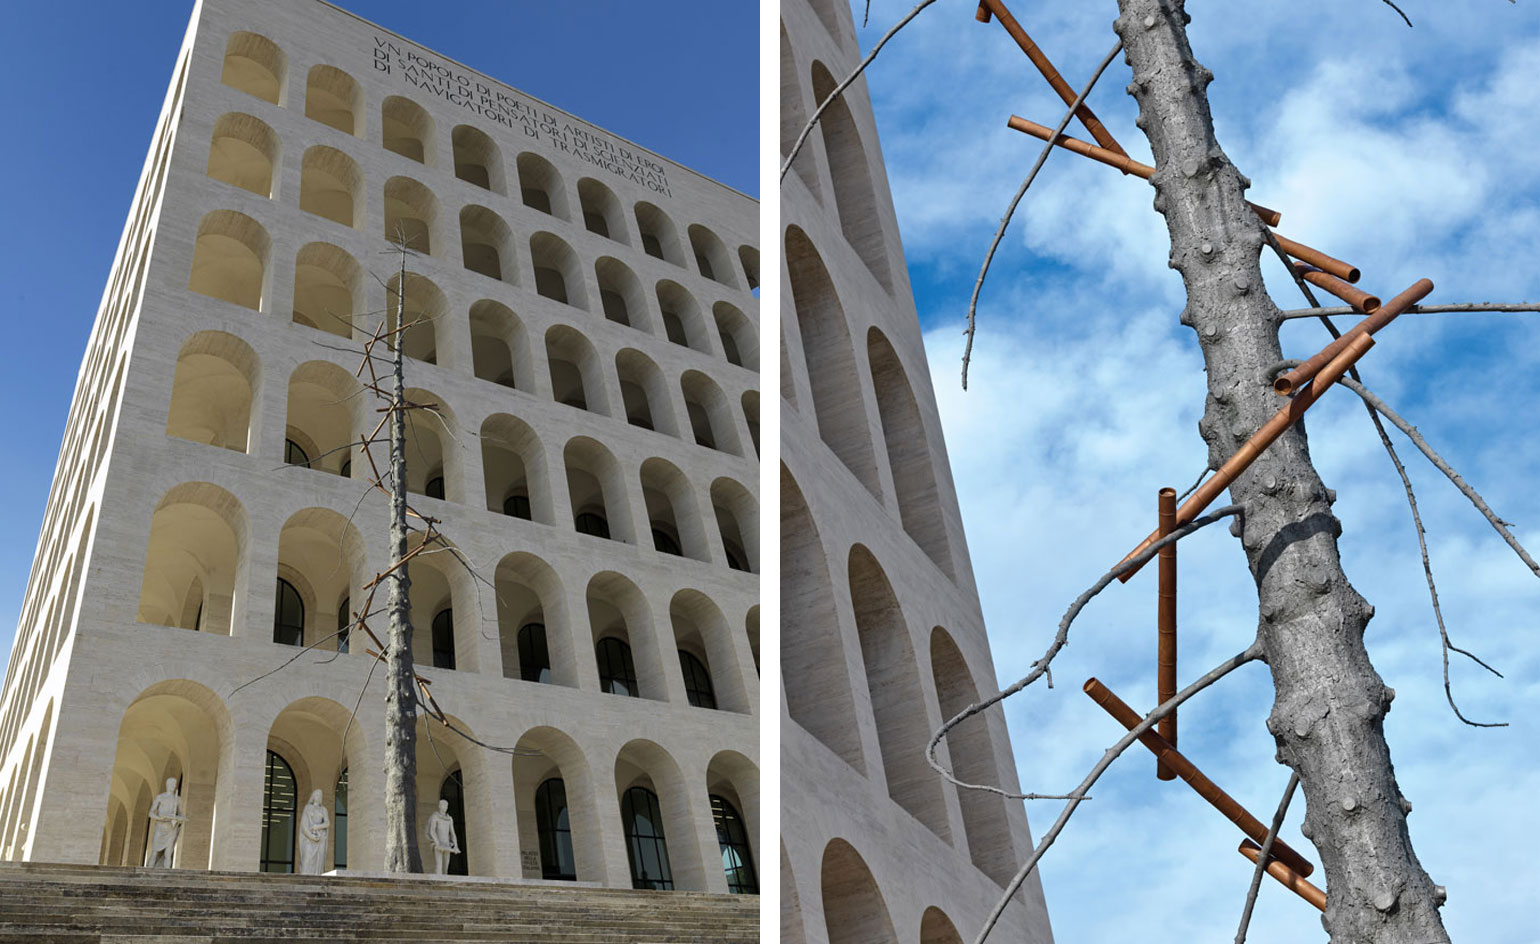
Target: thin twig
x=1010, y=211
x=1195, y=483
x=1390, y=4
x=1250, y=654
x=1040, y=668
x=374, y=663
x=838, y=89
x=1267, y=848
x=1417, y=309
x=286, y=664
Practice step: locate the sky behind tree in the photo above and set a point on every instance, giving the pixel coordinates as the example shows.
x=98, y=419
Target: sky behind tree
x=1409, y=152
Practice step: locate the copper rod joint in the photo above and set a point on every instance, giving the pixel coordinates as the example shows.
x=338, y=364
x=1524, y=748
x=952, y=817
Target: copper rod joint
x=982, y=13
x=1361, y=300
x=1289, y=878
x=1285, y=384
x=1116, y=159
x=1318, y=259
x=1194, y=777
x=1165, y=620
x=1242, y=458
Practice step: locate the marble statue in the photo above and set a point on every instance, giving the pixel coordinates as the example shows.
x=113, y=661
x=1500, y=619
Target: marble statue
x=315, y=826
x=441, y=836
x=166, y=821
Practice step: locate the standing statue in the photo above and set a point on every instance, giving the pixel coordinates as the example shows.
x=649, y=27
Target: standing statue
x=441, y=836
x=314, y=828
x=166, y=821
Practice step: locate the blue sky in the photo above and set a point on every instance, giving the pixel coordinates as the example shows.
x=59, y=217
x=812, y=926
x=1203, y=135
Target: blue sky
x=1408, y=152
x=88, y=82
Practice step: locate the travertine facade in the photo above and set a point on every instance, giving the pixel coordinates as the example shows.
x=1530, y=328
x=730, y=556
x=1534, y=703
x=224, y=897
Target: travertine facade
x=882, y=633
x=592, y=343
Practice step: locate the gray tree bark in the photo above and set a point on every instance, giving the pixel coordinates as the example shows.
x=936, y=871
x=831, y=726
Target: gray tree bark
x=401, y=854
x=1329, y=706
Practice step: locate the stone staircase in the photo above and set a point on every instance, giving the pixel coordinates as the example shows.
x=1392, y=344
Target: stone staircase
x=75, y=904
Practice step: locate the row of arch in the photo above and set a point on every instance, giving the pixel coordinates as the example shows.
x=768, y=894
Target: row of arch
x=905, y=703
x=231, y=262
x=199, y=559
x=248, y=150
x=834, y=377
x=854, y=909
x=565, y=803
x=18, y=802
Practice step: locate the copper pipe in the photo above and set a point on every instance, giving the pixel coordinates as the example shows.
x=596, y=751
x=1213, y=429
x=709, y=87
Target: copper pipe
x=1318, y=258
x=1039, y=59
x=1259, y=441
x=1286, y=384
x=982, y=13
x=1362, y=301
x=1194, y=777
x=1121, y=161
x=1290, y=878
x=1165, y=621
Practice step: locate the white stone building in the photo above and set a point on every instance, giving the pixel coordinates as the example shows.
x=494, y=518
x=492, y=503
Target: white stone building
x=882, y=633
x=591, y=339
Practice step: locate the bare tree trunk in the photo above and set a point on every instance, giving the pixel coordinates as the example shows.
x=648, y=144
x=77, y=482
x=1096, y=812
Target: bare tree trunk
x=1328, y=713
x=401, y=853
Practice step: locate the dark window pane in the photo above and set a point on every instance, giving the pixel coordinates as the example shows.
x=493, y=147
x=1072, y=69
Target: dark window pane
x=435, y=487
x=555, y=831
x=288, y=616
x=293, y=454
x=733, y=838
x=590, y=523
x=666, y=544
x=444, y=640
x=278, y=799
x=344, y=626
x=340, y=824
x=697, y=681
x=617, y=673
x=534, y=657
x=453, y=790
x=517, y=506
x=645, y=844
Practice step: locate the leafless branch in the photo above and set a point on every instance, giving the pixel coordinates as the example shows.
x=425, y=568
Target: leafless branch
x=1010, y=211
x=1250, y=654
x=1390, y=4
x=1267, y=848
x=1468, y=307
x=845, y=83
x=290, y=661
x=1040, y=668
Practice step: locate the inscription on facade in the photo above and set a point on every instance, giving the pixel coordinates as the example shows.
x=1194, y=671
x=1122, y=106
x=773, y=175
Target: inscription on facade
x=478, y=95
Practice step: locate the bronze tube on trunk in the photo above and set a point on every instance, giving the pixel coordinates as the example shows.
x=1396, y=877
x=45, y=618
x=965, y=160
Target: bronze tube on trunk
x=1361, y=300
x=1165, y=624
x=1286, y=384
x=1289, y=878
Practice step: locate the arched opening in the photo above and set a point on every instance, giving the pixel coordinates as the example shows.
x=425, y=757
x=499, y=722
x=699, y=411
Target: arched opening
x=682, y=320
x=513, y=466
x=554, y=794
x=853, y=909
x=500, y=346
x=740, y=342
x=321, y=559
x=432, y=469
x=830, y=361
x=217, y=377
x=644, y=392
x=477, y=159
x=444, y=612
x=323, y=411
x=327, y=284
x=897, y=699
x=596, y=491
x=737, y=517
x=813, y=669
x=406, y=129
x=972, y=761
x=533, y=626
x=656, y=819
x=751, y=629
x=411, y=215
x=558, y=275
x=660, y=238
x=230, y=259
x=307, y=739
x=625, y=644
x=602, y=212
x=673, y=514
x=453, y=770
x=175, y=730
x=620, y=293
x=748, y=257
x=255, y=65
x=576, y=379
x=750, y=402
x=711, y=418
x=340, y=822
x=331, y=185
x=486, y=244
x=848, y=170
x=451, y=794
x=711, y=256
x=540, y=186
x=937, y=928
x=197, y=549
x=794, y=119
x=732, y=783
x=243, y=152
x=701, y=633
x=903, y=431
x=425, y=305
x=333, y=98
x=792, y=929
